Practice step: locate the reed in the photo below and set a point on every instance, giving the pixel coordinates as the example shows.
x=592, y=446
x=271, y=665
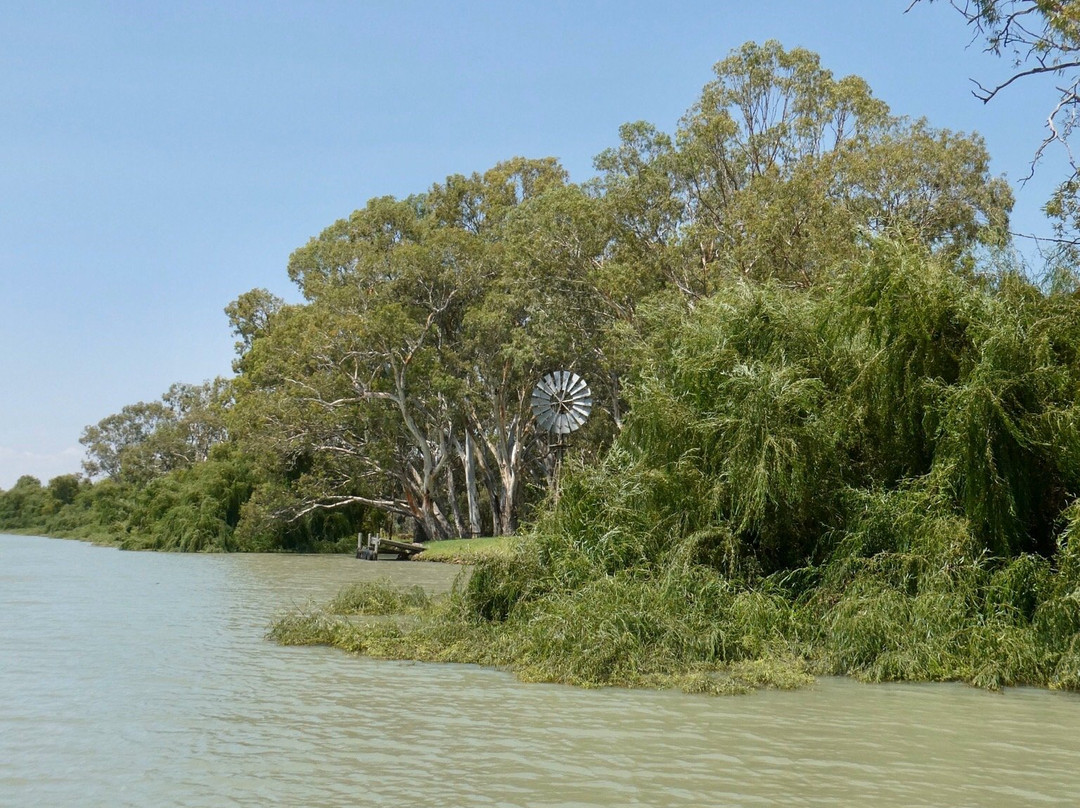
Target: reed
x=379, y=597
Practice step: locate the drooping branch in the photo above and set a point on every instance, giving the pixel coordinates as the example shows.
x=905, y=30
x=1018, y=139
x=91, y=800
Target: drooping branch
x=329, y=503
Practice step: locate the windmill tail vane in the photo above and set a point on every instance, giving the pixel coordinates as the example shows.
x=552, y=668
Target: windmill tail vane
x=561, y=402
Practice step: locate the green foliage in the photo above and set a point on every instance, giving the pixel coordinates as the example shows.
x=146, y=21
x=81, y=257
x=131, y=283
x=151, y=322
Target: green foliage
x=377, y=598
x=265, y=525
x=308, y=627
x=871, y=478
x=782, y=171
x=191, y=510
x=402, y=384
x=146, y=440
x=64, y=489
x=24, y=504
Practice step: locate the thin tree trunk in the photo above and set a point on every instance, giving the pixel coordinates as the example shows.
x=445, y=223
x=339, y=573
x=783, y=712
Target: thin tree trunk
x=451, y=493
x=507, y=495
x=468, y=460
x=493, y=497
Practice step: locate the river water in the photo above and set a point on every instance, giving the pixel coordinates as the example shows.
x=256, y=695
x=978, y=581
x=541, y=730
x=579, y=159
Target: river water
x=142, y=679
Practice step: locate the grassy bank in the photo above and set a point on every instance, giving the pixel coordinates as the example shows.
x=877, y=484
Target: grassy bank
x=689, y=627
x=468, y=551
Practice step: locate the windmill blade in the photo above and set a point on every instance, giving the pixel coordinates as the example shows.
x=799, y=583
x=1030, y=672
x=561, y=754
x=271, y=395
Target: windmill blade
x=547, y=418
x=561, y=402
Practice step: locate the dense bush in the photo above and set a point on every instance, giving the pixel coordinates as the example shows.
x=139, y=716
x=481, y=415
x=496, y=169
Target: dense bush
x=875, y=477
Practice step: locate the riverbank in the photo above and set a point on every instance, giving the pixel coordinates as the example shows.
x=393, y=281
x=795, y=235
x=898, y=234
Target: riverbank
x=468, y=551
x=875, y=480
x=919, y=617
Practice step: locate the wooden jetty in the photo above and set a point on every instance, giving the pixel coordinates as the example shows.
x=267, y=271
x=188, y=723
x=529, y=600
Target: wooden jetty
x=369, y=547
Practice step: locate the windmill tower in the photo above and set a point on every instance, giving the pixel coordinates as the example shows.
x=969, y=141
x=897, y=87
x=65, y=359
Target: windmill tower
x=561, y=403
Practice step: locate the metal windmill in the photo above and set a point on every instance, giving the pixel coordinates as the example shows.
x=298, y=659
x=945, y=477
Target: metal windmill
x=561, y=403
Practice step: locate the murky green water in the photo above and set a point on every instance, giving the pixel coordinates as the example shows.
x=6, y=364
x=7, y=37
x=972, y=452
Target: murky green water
x=137, y=679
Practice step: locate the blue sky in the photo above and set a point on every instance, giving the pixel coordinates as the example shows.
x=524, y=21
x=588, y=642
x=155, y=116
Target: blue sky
x=159, y=159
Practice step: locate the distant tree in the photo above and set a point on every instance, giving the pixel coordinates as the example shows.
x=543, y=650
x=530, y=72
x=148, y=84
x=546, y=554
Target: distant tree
x=114, y=436
x=148, y=439
x=65, y=488
x=24, y=504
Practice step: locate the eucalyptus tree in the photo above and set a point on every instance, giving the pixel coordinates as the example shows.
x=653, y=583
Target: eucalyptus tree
x=542, y=310
x=403, y=382
x=147, y=439
x=118, y=435
x=780, y=170
x=347, y=389
x=249, y=316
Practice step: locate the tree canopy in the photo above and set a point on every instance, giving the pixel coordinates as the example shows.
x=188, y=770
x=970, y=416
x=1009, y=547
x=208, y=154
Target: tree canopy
x=397, y=392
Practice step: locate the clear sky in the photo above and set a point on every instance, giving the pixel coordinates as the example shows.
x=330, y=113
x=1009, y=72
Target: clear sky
x=158, y=159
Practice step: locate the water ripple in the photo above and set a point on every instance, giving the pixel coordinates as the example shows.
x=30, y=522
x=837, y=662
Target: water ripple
x=140, y=679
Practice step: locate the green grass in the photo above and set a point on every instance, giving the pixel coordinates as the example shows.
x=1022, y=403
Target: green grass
x=468, y=551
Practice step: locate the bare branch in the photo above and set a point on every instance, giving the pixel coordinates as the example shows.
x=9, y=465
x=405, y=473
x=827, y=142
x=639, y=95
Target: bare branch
x=986, y=94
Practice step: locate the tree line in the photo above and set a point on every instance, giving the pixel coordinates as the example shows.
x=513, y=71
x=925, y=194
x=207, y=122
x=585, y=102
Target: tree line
x=397, y=392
